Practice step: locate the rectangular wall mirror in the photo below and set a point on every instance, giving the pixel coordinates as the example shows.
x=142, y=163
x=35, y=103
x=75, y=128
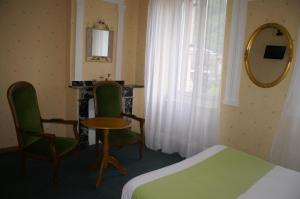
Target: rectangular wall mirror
x=99, y=45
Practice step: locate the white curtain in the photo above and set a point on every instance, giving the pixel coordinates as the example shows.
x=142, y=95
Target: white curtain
x=286, y=145
x=236, y=52
x=183, y=74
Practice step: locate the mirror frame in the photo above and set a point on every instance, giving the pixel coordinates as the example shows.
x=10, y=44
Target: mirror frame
x=289, y=61
x=101, y=25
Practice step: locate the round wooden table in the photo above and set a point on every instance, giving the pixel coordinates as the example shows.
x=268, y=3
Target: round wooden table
x=106, y=123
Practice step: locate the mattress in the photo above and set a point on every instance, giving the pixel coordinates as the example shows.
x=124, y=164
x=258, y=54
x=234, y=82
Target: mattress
x=276, y=183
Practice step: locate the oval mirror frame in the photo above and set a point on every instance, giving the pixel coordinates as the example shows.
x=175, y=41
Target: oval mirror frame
x=289, y=59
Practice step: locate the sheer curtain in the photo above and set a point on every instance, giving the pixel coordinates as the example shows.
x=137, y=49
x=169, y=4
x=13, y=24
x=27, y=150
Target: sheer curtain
x=235, y=52
x=183, y=74
x=286, y=145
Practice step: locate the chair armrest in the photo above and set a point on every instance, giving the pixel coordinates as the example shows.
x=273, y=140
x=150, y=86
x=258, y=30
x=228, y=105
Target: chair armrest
x=74, y=123
x=141, y=121
x=60, y=121
x=50, y=136
x=134, y=117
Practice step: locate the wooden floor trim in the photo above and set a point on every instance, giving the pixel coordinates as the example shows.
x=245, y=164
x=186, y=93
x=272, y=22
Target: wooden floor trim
x=9, y=149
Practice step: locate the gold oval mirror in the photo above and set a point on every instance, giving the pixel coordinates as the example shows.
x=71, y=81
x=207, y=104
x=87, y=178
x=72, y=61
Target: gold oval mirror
x=268, y=55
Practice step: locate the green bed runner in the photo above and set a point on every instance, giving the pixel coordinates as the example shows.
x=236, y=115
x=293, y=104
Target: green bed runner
x=226, y=175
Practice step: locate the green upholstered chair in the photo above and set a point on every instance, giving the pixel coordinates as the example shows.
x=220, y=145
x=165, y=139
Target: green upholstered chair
x=33, y=141
x=108, y=103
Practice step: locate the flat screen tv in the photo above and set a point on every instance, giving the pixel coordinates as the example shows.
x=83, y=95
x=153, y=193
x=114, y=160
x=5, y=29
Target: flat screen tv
x=274, y=52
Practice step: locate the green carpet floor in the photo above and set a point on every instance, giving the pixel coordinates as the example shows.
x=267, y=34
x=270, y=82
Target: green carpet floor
x=76, y=180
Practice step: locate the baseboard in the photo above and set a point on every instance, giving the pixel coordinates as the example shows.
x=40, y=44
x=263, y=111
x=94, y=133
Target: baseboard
x=9, y=149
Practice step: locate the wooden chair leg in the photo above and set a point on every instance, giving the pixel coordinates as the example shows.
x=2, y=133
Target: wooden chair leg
x=23, y=167
x=55, y=171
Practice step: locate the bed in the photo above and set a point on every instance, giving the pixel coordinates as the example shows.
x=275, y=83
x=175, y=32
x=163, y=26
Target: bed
x=219, y=172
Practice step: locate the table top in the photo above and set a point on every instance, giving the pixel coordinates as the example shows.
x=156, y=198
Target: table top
x=106, y=123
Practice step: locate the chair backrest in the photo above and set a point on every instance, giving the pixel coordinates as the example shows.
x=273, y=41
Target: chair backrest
x=108, y=99
x=25, y=110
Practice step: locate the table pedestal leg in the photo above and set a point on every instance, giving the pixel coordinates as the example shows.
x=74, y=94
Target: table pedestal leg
x=107, y=159
x=93, y=165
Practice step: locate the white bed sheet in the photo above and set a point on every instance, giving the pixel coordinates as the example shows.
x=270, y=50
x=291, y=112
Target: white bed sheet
x=279, y=183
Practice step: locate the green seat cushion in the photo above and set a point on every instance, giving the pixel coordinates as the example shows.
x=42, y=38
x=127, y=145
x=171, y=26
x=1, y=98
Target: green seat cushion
x=120, y=137
x=28, y=139
x=62, y=146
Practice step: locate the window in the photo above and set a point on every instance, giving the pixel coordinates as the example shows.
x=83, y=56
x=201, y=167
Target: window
x=210, y=69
